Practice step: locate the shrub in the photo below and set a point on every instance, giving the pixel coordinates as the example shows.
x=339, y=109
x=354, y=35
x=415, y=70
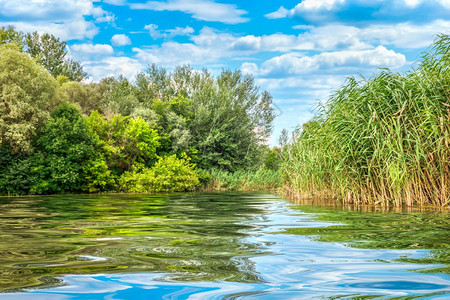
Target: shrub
x=168, y=174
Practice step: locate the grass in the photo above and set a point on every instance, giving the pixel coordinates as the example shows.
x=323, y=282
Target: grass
x=262, y=179
x=382, y=140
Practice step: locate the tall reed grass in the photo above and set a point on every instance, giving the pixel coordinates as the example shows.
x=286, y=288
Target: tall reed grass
x=379, y=140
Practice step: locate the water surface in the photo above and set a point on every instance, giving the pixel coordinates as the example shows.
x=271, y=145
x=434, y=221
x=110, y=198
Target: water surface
x=217, y=245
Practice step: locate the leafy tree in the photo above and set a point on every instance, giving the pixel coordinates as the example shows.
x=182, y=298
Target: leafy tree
x=87, y=96
x=27, y=94
x=51, y=53
x=8, y=35
x=154, y=83
x=226, y=118
x=272, y=159
x=119, y=97
x=232, y=119
x=141, y=142
x=124, y=141
x=15, y=172
x=67, y=148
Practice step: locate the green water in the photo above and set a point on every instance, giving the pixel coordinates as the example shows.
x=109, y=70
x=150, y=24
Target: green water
x=218, y=245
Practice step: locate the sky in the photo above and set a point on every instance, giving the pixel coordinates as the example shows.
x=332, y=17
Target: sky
x=299, y=51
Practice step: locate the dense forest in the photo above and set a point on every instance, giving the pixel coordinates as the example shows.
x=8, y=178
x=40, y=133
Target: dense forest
x=162, y=131
x=382, y=140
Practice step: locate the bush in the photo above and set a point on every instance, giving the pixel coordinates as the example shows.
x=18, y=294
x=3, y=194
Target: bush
x=261, y=179
x=168, y=174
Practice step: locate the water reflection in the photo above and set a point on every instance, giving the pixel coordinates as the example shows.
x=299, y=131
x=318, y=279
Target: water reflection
x=217, y=245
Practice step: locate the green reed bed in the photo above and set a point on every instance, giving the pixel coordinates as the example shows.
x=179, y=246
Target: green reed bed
x=262, y=179
x=380, y=140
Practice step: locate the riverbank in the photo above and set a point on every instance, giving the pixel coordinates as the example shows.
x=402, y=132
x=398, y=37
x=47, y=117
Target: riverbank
x=383, y=140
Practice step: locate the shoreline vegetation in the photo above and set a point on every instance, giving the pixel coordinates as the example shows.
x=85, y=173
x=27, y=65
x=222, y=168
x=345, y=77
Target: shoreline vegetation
x=382, y=140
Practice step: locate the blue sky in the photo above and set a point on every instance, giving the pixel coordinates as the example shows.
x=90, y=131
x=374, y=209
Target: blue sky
x=299, y=51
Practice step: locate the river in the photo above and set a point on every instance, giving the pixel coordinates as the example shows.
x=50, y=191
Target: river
x=218, y=246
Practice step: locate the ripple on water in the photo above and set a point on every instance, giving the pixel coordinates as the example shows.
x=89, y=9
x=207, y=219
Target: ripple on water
x=214, y=246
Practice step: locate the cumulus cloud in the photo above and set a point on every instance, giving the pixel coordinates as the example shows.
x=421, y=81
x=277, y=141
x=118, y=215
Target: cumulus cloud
x=112, y=66
x=318, y=5
x=102, y=16
x=380, y=11
x=282, y=12
x=155, y=33
x=69, y=30
x=211, y=46
x=115, y=2
x=92, y=48
x=63, y=18
x=331, y=62
x=120, y=40
x=205, y=10
x=170, y=54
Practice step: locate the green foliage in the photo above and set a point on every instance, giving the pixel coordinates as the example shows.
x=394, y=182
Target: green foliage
x=87, y=96
x=380, y=140
x=99, y=178
x=119, y=97
x=51, y=53
x=8, y=35
x=261, y=179
x=231, y=121
x=273, y=159
x=168, y=174
x=124, y=141
x=26, y=96
x=67, y=150
x=15, y=172
x=226, y=119
x=141, y=141
x=214, y=122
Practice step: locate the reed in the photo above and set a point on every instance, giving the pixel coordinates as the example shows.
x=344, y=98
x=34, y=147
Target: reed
x=382, y=140
x=261, y=179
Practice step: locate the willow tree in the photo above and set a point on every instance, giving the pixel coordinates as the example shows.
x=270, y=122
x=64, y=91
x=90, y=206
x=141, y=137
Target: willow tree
x=27, y=95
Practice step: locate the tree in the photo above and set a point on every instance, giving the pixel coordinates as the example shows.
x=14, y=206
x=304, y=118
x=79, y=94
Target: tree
x=88, y=97
x=67, y=150
x=119, y=97
x=232, y=120
x=51, y=53
x=9, y=35
x=124, y=141
x=226, y=118
x=27, y=94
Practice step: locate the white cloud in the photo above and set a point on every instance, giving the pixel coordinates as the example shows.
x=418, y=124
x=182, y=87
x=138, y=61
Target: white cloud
x=322, y=10
x=445, y=3
x=169, y=33
x=331, y=62
x=249, y=68
x=70, y=30
x=404, y=35
x=170, y=54
x=211, y=46
x=44, y=10
x=63, y=18
x=102, y=16
x=120, y=40
x=112, y=66
x=92, y=49
x=317, y=5
x=115, y=2
x=205, y=10
x=282, y=12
